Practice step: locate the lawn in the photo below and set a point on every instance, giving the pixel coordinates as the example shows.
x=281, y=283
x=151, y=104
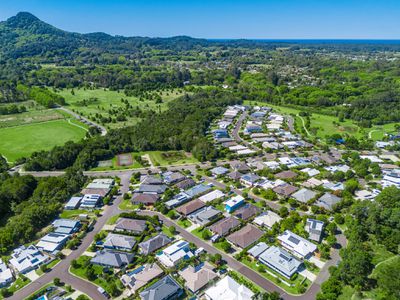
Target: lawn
x=165, y=158
x=50, y=265
x=107, y=100
x=22, y=141
x=127, y=204
x=18, y=284
x=184, y=223
x=70, y=214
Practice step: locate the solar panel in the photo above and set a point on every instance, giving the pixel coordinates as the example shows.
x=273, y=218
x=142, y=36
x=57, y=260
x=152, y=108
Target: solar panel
x=294, y=240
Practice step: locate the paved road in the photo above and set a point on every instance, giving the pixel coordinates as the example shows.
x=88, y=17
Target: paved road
x=61, y=270
x=235, y=132
x=102, y=129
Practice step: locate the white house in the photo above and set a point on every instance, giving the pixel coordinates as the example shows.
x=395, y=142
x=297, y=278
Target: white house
x=25, y=259
x=173, y=254
x=299, y=246
x=6, y=276
x=228, y=288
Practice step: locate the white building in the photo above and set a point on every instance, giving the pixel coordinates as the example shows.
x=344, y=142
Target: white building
x=6, y=276
x=228, y=289
x=299, y=246
x=25, y=259
x=173, y=254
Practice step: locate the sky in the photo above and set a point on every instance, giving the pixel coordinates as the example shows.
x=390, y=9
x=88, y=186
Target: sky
x=268, y=19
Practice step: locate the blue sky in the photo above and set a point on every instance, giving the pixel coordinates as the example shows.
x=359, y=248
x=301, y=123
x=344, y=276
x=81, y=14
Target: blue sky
x=279, y=19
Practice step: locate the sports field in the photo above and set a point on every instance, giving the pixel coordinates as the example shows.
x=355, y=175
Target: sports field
x=21, y=141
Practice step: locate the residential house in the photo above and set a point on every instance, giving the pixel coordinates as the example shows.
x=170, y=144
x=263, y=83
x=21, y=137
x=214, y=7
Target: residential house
x=228, y=288
x=312, y=183
x=197, y=277
x=286, y=175
x=25, y=259
x=173, y=177
x=52, y=242
x=130, y=225
x=101, y=183
x=280, y=261
x=299, y=246
x=205, y=215
x=100, y=192
x=285, y=190
x=119, y=242
x=258, y=249
x=233, y=203
x=90, y=201
x=185, y=184
x=225, y=226
x=213, y=195
x=247, y=211
x=249, y=179
x=219, y=171
x=245, y=236
x=235, y=175
x=112, y=259
x=304, y=195
x=141, y=276
x=150, y=179
x=165, y=289
x=6, y=276
x=152, y=188
x=190, y=207
x=73, y=203
x=154, y=244
x=197, y=190
x=240, y=167
x=146, y=199
x=315, y=229
x=66, y=226
x=267, y=219
x=175, y=253
x=327, y=201
x=310, y=171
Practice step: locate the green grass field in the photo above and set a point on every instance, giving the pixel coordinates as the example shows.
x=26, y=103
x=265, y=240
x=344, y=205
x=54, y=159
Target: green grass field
x=29, y=117
x=22, y=141
x=107, y=100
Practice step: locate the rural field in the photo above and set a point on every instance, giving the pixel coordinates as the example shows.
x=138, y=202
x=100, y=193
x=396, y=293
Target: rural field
x=325, y=124
x=108, y=103
x=21, y=141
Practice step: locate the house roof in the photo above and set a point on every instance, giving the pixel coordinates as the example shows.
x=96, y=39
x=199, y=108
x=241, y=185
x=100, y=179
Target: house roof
x=119, y=241
x=245, y=236
x=205, y=214
x=223, y=226
x=112, y=258
x=247, y=211
x=219, y=170
x=286, y=175
x=150, y=179
x=228, y=288
x=197, y=190
x=145, y=198
x=185, y=184
x=154, y=243
x=97, y=191
x=285, y=190
x=280, y=260
x=327, y=201
x=256, y=250
x=235, y=175
x=152, y=188
x=197, y=277
x=131, y=225
x=215, y=194
x=268, y=218
x=161, y=290
x=141, y=276
x=296, y=243
x=190, y=207
x=315, y=225
x=250, y=177
x=304, y=195
x=173, y=177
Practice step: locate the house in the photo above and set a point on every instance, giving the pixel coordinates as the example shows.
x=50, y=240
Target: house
x=304, y=195
x=252, y=128
x=6, y=276
x=286, y=175
x=235, y=175
x=267, y=219
x=245, y=236
x=146, y=199
x=119, y=242
x=73, y=203
x=285, y=190
x=315, y=229
x=197, y=190
x=177, y=200
x=240, y=167
x=299, y=246
x=150, y=179
x=327, y=201
x=90, y=201
x=367, y=195
x=130, y=225
x=25, y=259
x=190, y=207
x=247, y=211
x=185, y=184
x=175, y=253
x=173, y=177
x=225, y=226
x=52, y=242
x=101, y=192
x=152, y=188
x=141, y=276
x=101, y=183
x=233, y=203
x=154, y=244
x=228, y=288
x=312, y=182
x=310, y=171
x=249, y=179
x=219, y=171
x=213, y=195
x=280, y=261
x=112, y=259
x=164, y=289
x=258, y=249
x=205, y=215
x=66, y=226
x=197, y=277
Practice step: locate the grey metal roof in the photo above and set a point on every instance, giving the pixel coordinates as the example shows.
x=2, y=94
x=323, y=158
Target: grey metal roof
x=154, y=243
x=163, y=289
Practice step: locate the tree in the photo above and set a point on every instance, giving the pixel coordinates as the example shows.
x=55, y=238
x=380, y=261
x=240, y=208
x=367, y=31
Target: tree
x=44, y=268
x=283, y=212
x=172, y=229
x=225, y=246
x=388, y=279
x=206, y=234
x=57, y=281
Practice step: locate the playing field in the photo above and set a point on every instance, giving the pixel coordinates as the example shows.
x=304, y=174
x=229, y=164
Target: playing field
x=21, y=141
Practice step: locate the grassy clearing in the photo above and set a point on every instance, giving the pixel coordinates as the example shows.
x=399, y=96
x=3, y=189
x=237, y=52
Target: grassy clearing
x=70, y=214
x=107, y=100
x=50, y=265
x=30, y=117
x=184, y=223
x=22, y=141
x=18, y=284
x=115, y=166
x=126, y=204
